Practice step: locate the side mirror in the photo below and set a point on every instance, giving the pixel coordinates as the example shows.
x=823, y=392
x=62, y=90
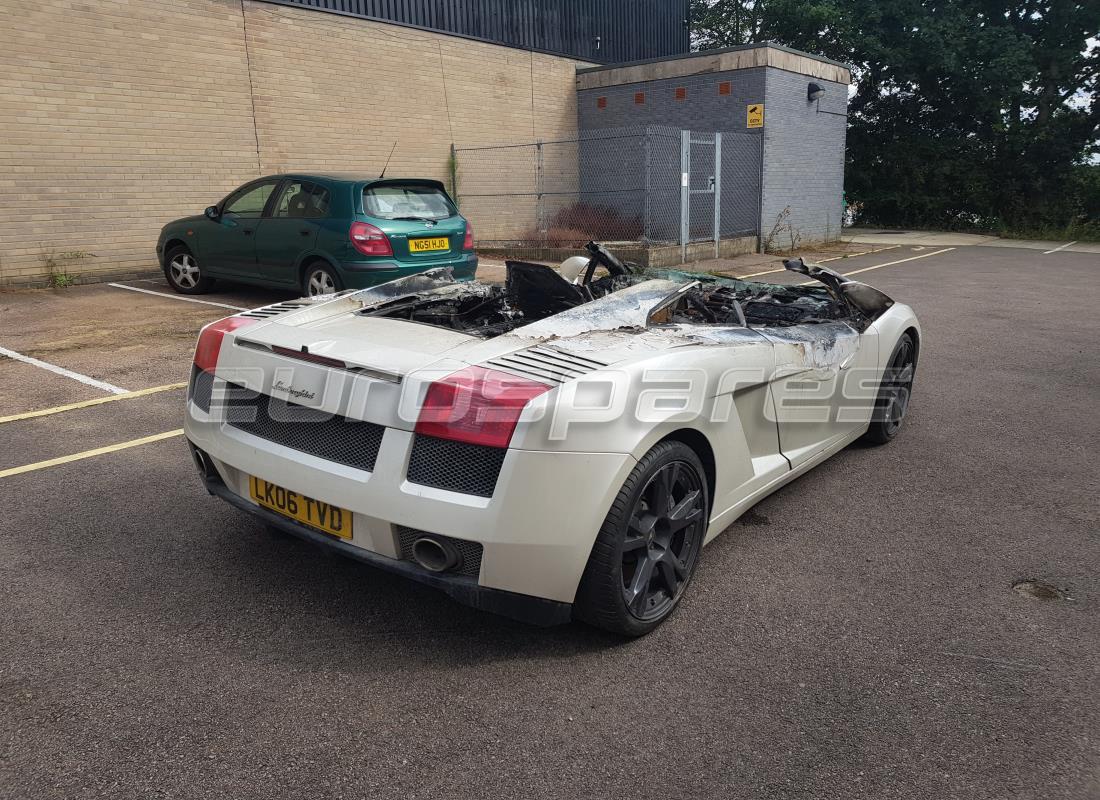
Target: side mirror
x=212, y=213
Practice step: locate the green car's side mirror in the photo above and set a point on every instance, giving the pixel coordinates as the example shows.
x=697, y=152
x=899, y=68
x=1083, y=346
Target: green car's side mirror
x=212, y=212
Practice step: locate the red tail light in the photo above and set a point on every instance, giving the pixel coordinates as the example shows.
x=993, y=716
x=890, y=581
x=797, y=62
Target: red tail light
x=210, y=340
x=476, y=406
x=468, y=242
x=369, y=240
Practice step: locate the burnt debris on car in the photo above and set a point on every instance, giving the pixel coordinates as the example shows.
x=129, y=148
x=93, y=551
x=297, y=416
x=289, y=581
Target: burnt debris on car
x=626, y=297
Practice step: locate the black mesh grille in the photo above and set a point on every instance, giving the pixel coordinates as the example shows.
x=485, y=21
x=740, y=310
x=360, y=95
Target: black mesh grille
x=457, y=466
x=202, y=384
x=328, y=436
x=469, y=553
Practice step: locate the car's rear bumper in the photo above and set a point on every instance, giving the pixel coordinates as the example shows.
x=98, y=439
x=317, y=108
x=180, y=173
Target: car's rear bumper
x=536, y=530
x=532, y=610
x=364, y=274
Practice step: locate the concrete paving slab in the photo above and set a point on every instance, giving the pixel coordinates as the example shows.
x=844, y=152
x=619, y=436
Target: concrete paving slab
x=1026, y=244
x=930, y=238
x=131, y=340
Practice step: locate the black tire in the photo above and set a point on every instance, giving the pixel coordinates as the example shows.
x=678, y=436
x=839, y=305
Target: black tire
x=634, y=540
x=894, y=392
x=320, y=275
x=184, y=273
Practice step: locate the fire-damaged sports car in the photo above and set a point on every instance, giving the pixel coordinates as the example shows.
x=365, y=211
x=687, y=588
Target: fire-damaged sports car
x=558, y=447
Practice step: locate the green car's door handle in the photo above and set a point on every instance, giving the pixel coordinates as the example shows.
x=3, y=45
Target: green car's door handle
x=306, y=232
x=246, y=231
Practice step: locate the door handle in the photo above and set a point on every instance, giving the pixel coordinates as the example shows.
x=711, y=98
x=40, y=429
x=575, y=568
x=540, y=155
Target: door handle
x=305, y=232
x=246, y=231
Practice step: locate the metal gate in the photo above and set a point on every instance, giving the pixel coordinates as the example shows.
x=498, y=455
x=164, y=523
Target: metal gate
x=719, y=187
x=700, y=192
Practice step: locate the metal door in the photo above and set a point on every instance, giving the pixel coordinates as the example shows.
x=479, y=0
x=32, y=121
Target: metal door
x=700, y=189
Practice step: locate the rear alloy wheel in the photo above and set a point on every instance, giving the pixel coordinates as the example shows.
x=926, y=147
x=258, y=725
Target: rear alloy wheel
x=894, y=393
x=321, y=280
x=184, y=273
x=646, y=551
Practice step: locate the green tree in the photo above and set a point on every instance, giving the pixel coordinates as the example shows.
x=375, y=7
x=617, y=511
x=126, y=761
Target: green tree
x=965, y=113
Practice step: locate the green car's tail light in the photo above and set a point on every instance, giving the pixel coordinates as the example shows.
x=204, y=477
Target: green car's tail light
x=369, y=240
x=468, y=242
x=477, y=406
x=210, y=340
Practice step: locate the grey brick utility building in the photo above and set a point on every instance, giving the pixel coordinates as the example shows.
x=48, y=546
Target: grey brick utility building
x=782, y=116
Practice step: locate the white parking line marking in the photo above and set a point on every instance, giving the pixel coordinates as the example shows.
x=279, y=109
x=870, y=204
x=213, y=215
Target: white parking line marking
x=111, y=448
x=68, y=373
x=861, y=253
x=177, y=297
x=899, y=261
x=757, y=274
x=880, y=266
x=822, y=261
x=45, y=412
x=1063, y=247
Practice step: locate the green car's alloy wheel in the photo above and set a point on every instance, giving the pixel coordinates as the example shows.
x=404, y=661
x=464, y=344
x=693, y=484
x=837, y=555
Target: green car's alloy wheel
x=321, y=280
x=646, y=551
x=184, y=273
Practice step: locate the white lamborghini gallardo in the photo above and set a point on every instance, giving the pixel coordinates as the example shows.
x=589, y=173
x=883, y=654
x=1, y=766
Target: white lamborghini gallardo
x=559, y=447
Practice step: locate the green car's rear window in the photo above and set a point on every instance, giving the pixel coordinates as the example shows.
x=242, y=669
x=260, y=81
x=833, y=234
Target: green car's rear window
x=412, y=201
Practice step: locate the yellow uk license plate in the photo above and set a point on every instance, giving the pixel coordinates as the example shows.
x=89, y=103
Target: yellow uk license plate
x=428, y=245
x=328, y=518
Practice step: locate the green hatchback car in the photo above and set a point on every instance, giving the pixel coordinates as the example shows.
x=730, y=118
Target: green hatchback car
x=319, y=233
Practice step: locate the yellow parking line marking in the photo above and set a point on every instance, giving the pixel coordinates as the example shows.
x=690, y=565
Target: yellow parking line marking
x=887, y=264
x=45, y=412
x=99, y=451
x=822, y=261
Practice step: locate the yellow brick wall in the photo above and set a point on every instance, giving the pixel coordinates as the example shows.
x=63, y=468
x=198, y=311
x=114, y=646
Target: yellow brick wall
x=119, y=115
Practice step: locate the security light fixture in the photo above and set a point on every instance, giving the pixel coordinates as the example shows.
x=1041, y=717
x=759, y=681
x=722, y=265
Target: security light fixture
x=814, y=92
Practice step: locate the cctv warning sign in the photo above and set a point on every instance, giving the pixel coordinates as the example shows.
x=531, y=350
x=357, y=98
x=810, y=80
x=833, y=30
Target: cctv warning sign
x=755, y=115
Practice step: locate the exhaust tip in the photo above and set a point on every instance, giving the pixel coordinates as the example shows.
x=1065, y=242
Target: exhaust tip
x=202, y=462
x=434, y=555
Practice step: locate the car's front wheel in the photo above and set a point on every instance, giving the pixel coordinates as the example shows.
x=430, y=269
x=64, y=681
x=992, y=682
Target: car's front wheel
x=321, y=279
x=184, y=273
x=894, y=392
x=646, y=551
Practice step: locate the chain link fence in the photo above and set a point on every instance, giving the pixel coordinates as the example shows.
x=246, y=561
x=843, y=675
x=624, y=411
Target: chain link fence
x=647, y=186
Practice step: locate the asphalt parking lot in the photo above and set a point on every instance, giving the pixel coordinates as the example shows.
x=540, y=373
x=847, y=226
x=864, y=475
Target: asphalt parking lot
x=857, y=634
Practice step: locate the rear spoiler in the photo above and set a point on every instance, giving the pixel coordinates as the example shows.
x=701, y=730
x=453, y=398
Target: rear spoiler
x=860, y=297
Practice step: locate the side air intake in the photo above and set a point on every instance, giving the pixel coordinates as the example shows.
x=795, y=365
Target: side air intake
x=547, y=364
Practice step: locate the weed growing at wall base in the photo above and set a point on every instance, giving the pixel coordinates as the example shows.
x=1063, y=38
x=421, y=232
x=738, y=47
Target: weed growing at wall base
x=58, y=266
